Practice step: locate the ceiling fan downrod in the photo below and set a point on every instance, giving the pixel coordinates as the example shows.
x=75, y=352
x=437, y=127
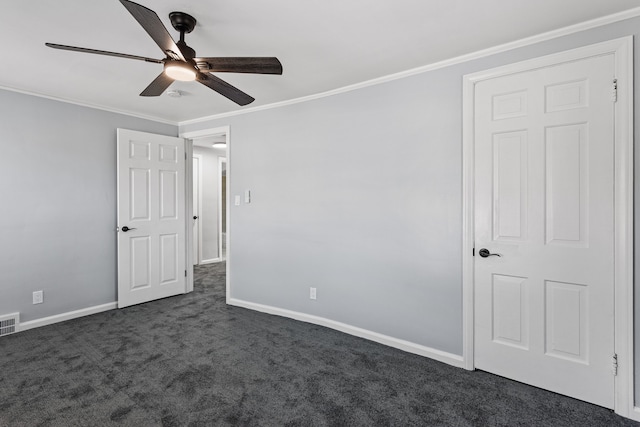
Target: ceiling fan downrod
x=184, y=24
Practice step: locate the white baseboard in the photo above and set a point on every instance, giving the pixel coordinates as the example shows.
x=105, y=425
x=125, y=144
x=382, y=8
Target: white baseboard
x=634, y=414
x=210, y=261
x=66, y=316
x=439, y=355
x=442, y=356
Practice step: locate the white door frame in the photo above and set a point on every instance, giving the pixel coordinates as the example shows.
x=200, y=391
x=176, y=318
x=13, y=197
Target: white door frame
x=188, y=171
x=198, y=256
x=622, y=49
x=223, y=130
x=221, y=160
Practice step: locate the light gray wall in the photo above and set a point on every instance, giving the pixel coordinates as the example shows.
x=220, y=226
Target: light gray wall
x=366, y=201
x=209, y=208
x=350, y=195
x=58, y=203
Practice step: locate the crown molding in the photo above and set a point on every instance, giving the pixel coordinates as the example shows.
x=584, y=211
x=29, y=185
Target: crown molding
x=550, y=35
x=594, y=23
x=93, y=106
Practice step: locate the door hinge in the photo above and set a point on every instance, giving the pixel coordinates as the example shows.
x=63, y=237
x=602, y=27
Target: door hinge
x=185, y=273
x=614, y=91
x=614, y=364
x=473, y=252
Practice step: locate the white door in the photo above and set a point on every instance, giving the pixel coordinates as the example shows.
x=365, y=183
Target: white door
x=196, y=210
x=544, y=181
x=151, y=217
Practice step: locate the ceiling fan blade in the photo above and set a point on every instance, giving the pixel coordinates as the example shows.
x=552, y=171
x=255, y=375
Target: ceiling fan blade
x=159, y=85
x=102, y=52
x=151, y=23
x=225, y=89
x=258, y=65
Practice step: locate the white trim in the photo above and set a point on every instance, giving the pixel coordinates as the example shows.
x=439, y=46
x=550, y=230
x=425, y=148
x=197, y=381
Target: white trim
x=228, y=216
x=623, y=251
x=211, y=261
x=188, y=171
x=468, y=213
x=198, y=257
x=221, y=160
x=582, y=26
x=622, y=49
x=67, y=316
x=94, y=106
x=410, y=347
x=195, y=134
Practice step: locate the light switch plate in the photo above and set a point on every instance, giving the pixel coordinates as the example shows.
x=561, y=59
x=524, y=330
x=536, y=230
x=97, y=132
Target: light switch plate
x=236, y=201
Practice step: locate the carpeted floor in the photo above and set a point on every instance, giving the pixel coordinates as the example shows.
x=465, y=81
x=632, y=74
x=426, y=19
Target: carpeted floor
x=193, y=361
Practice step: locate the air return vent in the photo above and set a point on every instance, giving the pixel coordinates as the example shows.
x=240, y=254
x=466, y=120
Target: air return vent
x=9, y=323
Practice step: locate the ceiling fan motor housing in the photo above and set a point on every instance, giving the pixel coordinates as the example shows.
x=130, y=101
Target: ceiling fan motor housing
x=187, y=52
x=182, y=22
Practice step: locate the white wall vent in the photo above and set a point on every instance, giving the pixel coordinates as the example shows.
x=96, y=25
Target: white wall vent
x=9, y=323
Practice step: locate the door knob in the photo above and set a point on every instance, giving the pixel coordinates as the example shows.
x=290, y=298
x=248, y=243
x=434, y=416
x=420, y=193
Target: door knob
x=125, y=228
x=484, y=253
x=195, y=217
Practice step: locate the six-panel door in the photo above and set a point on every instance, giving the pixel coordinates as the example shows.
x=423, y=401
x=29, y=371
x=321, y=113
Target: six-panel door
x=151, y=205
x=544, y=182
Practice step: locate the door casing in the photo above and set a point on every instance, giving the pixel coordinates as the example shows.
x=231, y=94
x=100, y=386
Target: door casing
x=221, y=236
x=197, y=200
x=622, y=49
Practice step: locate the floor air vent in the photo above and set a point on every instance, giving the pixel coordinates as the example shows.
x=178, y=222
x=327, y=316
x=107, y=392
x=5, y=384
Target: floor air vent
x=9, y=323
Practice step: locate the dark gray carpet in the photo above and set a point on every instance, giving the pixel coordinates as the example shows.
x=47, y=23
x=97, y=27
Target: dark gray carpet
x=192, y=361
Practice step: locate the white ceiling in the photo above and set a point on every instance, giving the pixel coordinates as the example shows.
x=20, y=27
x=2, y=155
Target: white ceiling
x=208, y=141
x=322, y=44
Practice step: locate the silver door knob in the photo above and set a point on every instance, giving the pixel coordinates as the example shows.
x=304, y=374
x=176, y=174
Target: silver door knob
x=484, y=253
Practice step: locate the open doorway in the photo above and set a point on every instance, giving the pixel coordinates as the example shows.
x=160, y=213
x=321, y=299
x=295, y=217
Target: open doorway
x=209, y=204
x=210, y=211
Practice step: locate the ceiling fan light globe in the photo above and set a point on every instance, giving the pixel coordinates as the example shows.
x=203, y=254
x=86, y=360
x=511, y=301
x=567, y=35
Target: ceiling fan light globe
x=180, y=71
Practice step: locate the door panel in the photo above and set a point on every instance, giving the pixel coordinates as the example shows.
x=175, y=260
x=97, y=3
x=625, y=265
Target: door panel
x=151, y=204
x=544, y=185
x=566, y=192
x=510, y=186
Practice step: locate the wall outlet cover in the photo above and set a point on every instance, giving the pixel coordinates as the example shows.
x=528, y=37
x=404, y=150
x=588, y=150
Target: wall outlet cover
x=38, y=297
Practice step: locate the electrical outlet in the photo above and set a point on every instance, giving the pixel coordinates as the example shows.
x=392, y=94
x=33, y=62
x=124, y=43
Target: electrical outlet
x=38, y=297
x=312, y=293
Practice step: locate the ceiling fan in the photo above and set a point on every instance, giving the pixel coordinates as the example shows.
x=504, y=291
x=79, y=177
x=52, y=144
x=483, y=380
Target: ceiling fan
x=181, y=62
